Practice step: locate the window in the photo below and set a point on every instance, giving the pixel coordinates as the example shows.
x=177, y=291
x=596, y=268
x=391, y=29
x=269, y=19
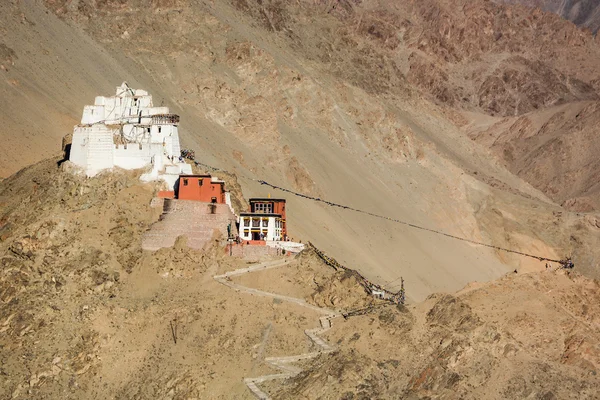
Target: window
x=255, y=222
x=185, y=182
x=199, y=182
x=246, y=233
x=247, y=222
x=263, y=208
x=265, y=222
x=159, y=129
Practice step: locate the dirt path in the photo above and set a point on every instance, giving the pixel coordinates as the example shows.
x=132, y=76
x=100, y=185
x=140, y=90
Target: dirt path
x=284, y=364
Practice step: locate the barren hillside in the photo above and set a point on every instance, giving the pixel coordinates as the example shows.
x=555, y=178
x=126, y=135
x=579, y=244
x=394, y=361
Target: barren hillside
x=84, y=313
x=584, y=13
x=531, y=336
x=357, y=103
x=557, y=147
x=467, y=118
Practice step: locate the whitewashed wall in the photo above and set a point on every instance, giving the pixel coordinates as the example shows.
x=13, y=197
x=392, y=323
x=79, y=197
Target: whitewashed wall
x=272, y=233
x=93, y=146
x=79, y=151
x=100, y=149
x=132, y=156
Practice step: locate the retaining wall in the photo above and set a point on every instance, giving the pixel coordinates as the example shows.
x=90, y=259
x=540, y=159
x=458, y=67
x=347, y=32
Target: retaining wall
x=192, y=219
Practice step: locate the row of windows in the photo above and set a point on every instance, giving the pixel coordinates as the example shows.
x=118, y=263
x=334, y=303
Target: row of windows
x=256, y=222
x=266, y=208
x=248, y=235
x=185, y=182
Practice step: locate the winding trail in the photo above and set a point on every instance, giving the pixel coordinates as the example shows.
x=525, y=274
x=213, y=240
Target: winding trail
x=284, y=364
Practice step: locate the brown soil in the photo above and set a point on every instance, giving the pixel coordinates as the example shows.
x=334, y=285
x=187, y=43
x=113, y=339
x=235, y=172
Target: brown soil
x=373, y=104
x=523, y=336
x=583, y=13
x=84, y=313
x=358, y=104
x=556, y=148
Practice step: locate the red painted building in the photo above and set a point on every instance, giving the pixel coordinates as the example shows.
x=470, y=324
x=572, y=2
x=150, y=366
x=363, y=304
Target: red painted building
x=201, y=188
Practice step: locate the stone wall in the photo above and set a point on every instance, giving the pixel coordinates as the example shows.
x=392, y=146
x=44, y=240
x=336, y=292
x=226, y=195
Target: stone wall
x=133, y=156
x=99, y=149
x=252, y=252
x=192, y=219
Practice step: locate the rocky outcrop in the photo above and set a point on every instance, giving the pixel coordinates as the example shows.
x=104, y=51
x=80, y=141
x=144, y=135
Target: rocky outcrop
x=523, y=336
x=583, y=13
x=556, y=150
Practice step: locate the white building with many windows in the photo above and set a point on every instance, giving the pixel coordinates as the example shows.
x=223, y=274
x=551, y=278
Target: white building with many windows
x=265, y=224
x=127, y=131
x=260, y=226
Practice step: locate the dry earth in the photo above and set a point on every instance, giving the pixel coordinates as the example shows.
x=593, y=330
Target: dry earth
x=524, y=336
x=557, y=147
x=329, y=111
x=463, y=116
x=584, y=13
x=84, y=313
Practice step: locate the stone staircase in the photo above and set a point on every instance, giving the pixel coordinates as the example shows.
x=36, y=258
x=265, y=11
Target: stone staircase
x=189, y=218
x=284, y=364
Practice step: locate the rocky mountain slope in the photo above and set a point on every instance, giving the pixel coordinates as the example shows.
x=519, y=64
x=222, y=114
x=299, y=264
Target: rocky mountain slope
x=432, y=112
x=84, y=313
x=365, y=107
x=556, y=147
x=584, y=13
x=531, y=336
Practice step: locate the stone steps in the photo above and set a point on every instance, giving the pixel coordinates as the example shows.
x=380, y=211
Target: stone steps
x=192, y=219
x=282, y=363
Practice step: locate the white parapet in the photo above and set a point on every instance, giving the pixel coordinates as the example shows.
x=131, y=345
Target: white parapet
x=290, y=247
x=127, y=131
x=228, y=202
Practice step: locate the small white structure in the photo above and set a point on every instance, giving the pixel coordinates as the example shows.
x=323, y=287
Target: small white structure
x=127, y=131
x=253, y=226
x=290, y=247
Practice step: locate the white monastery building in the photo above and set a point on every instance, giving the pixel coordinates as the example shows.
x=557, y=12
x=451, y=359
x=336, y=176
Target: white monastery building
x=265, y=220
x=127, y=131
x=265, y=223
x=265, y=227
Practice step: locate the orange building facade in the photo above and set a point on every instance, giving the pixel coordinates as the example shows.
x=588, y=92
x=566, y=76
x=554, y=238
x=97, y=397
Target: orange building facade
x=201, y=188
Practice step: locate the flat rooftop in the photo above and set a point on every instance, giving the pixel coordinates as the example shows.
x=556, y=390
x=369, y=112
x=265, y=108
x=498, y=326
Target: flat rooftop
x=258, y=214
x=264, y=199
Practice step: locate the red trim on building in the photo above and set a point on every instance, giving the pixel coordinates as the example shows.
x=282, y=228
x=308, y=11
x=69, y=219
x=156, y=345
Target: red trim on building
x=255, y=242
x=166, y=194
